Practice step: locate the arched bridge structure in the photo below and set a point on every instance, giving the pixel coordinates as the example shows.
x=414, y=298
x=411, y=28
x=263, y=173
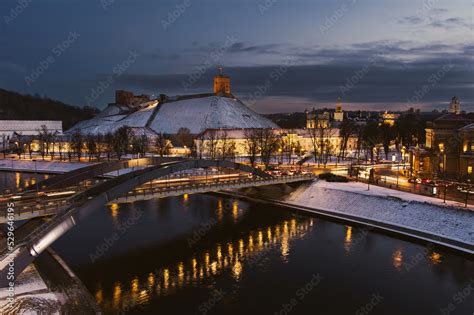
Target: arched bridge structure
x=83, y=173
x=84, y=203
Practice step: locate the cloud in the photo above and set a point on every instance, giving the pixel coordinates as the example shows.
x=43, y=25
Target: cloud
x=387, y=79
x=415, y=20
x=450, y=23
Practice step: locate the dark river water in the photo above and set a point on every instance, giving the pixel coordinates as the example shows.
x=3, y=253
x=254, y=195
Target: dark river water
x=206, y=254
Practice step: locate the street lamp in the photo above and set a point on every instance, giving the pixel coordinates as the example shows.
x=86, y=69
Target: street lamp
x=36, y=177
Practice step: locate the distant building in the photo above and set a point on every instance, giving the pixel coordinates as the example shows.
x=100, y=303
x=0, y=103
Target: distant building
x=454, y=106
x=221, y=84
x=338, y=114
x=128, y=99
x=317, y=120
x=27, y=128
x=390, y=118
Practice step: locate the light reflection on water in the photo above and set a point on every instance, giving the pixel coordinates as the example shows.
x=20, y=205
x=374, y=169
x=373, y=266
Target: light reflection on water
x=211, y=262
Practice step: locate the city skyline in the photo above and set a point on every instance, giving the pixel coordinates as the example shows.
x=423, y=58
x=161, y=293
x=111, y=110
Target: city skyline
x=420, y=58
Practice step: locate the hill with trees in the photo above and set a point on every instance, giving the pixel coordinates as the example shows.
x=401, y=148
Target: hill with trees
x=27, y=107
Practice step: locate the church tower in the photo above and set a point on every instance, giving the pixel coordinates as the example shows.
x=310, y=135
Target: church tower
x=455, y=106
x=338, y=114
x=221, y=84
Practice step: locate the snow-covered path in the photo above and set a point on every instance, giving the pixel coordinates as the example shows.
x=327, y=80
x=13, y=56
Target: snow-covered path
x=389, y=206
x=41, y=166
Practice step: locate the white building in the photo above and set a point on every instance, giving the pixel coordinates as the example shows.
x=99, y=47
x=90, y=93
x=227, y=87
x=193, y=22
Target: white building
x=27, y=128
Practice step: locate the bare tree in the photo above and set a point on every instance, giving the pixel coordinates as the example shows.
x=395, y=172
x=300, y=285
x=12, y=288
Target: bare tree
x=268, y=144
x=252, y=140
x=19, y=145
x=28, y=145
x=139, y=144
x=91, y=145
x=288, y=146
x=314, y=136
x=4, y=144
x=109, y=144
x=62, y=146
x=99, y=139
x=162, y=144
x=199, y=145
x=227, y=146
x=43, y=138
x=212, y=142
x=53, y=139
x=184, y=137
x=121, y=141
x=77, y=144
x=346, y=130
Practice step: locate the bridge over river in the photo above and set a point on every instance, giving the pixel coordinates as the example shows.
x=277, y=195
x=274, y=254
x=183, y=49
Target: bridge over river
x=71, y=197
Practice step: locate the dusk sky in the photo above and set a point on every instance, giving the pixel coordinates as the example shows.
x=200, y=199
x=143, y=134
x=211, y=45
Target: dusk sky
x=282, y=55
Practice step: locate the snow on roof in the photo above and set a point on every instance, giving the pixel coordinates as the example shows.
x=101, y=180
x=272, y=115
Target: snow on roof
x=212, y=112
x=196, y=114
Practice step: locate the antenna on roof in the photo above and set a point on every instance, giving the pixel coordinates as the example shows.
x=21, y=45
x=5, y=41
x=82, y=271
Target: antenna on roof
x=220, y=69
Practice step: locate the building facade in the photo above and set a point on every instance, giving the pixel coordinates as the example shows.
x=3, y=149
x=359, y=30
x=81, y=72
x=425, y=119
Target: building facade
x=27, y=128
x=300, y=141
x=447, y=148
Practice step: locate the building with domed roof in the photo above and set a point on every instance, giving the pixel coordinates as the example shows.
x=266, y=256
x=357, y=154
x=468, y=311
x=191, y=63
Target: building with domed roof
x=218, y=110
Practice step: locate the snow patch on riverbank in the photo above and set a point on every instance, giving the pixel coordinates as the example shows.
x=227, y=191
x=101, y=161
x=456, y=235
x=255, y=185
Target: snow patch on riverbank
x=53, y=167
x=389, y=206
x=31, y=295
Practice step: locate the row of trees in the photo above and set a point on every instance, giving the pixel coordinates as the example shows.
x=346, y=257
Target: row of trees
x=262, y=143
x=373, y=136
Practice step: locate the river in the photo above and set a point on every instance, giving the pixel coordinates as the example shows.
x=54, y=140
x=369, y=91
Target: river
x=207, y=254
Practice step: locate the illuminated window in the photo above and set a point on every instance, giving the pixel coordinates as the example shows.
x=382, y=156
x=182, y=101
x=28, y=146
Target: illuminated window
x=441, y=147
x=469, y=169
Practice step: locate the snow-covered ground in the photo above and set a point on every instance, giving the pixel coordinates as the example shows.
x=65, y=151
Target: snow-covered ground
x=31, y=293
x=41, y=166
x=389, y=206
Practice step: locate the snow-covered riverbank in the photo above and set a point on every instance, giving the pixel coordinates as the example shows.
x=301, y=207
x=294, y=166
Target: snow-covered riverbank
x=389, y=206
x=50, y=167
